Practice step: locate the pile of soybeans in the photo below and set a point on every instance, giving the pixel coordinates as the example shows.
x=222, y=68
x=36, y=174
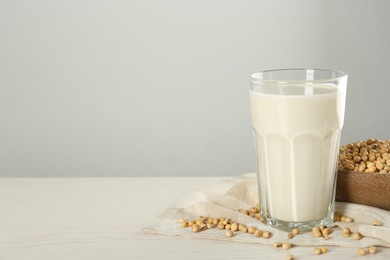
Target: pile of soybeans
x=370, y=156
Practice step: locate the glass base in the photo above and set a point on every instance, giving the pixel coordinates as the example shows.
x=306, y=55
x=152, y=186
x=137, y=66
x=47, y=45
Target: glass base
x=302, y=226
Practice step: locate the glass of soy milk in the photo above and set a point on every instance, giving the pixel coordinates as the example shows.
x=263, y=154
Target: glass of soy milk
x=297, y=117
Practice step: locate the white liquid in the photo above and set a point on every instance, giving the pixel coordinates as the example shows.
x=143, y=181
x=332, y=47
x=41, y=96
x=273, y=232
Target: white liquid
x=297, y=133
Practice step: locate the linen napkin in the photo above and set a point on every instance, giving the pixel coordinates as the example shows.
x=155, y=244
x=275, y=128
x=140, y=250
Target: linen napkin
x=223, y=199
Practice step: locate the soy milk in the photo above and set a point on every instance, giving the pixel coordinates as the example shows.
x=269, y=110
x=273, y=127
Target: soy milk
x=297, y=131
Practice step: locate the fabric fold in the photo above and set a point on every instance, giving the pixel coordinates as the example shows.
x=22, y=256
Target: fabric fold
x=223, y=199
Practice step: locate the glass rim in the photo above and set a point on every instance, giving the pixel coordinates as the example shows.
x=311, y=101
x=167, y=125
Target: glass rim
x=339, y=75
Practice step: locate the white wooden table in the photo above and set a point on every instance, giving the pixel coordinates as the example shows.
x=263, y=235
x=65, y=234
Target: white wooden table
x=101, y=218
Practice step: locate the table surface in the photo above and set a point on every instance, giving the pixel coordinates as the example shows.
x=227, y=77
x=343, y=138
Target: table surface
x=101, y=218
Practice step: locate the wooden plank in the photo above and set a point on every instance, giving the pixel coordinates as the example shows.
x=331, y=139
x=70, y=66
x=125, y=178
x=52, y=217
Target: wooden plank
x=101, y=218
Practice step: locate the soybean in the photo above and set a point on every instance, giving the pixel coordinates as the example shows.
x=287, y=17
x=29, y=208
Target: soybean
x=195, y=228
x=317, y=232
x=326, y=231
x=251, y=230
x=277, y=244
x=372, y=250
x=244, y=229
x=234, y=227
x=184, y=224
x=266, y=234
x=317, y=251
x=258, y=233
x=286, y=245
x=229, y=233
x=346, y=231
x=357, y=236
x=361, y=251
x=377, y=223
x=296, y=231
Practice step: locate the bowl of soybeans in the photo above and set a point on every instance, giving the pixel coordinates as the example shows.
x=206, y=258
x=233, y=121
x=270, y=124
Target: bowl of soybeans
x=364, y=173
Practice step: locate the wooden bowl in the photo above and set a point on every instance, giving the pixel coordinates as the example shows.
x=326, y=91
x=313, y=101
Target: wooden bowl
x=371, y=189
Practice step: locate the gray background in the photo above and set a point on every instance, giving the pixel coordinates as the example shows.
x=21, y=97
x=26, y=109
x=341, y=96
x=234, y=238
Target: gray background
x=160, y=88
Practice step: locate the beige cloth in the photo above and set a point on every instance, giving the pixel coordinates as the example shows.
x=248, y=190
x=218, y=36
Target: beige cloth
x=223, y=199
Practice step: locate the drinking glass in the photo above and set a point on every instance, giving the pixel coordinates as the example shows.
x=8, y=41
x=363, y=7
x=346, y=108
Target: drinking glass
x=297, y=117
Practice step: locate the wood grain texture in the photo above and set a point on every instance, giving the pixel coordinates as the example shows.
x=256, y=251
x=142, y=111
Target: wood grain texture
x=101, y=218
